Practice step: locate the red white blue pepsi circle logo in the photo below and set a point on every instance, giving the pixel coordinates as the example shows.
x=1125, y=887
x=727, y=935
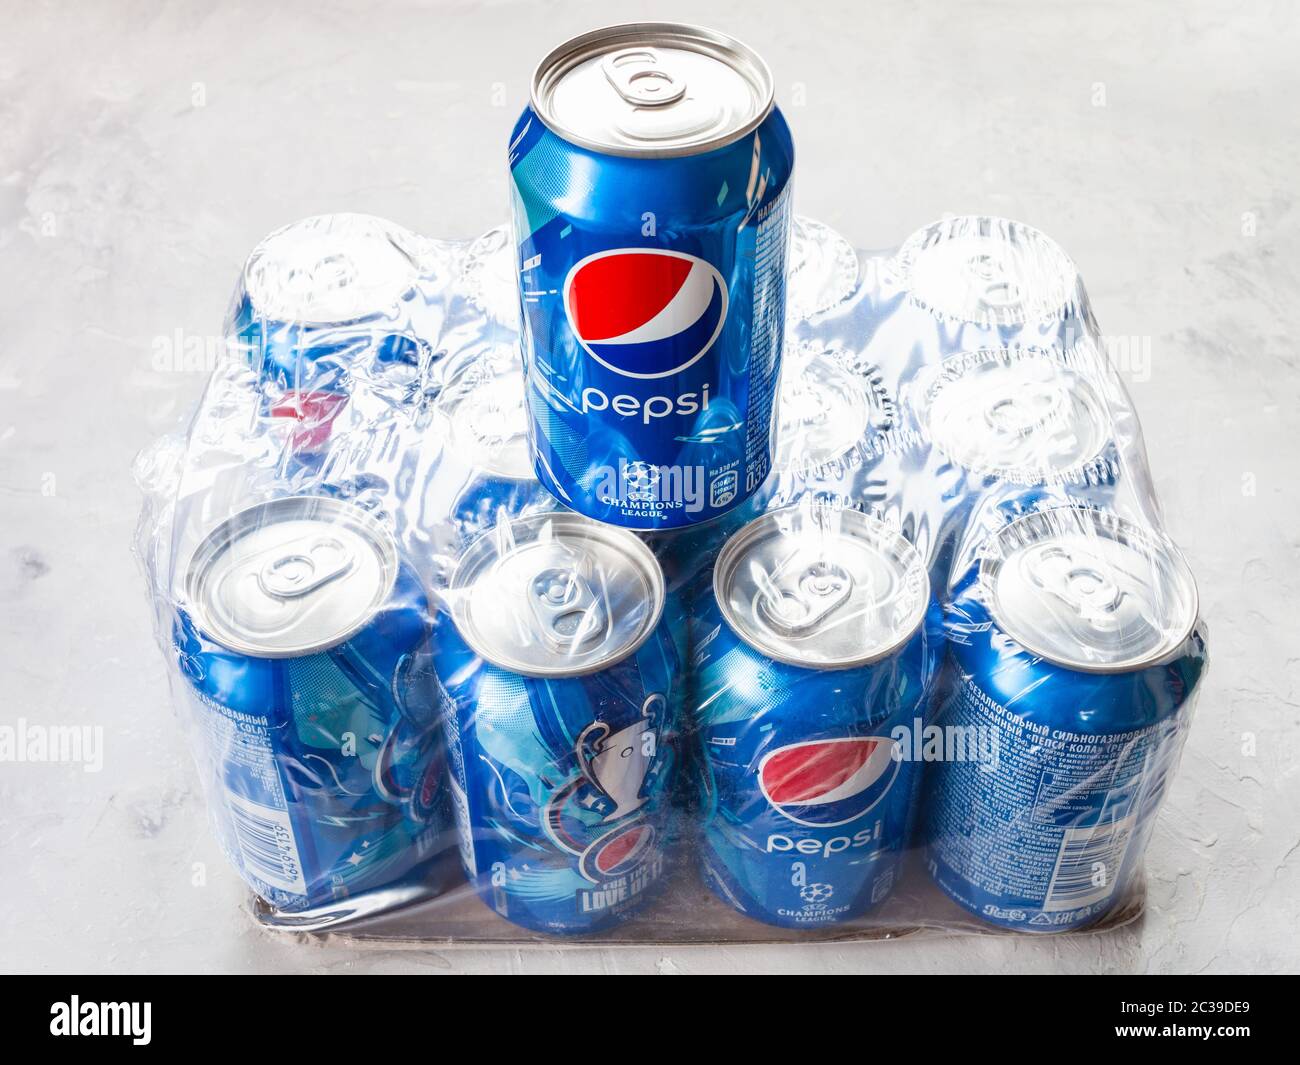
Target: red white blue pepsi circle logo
x=644, y=312
x=618, y=852
x=821, y=783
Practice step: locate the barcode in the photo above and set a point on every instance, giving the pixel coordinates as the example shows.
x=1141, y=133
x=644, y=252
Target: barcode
x=267, y=845
x=1087, y=864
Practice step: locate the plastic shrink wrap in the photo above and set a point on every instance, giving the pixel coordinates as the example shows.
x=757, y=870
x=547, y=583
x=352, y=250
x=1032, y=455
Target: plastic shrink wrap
x=934, y=676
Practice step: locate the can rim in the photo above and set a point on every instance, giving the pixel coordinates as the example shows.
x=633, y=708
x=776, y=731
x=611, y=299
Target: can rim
x=299, y=318
x=565, y=56
x=1151, y=542
x=338, y=512
x=962, y=365
x=749, y=532
x=474, y=557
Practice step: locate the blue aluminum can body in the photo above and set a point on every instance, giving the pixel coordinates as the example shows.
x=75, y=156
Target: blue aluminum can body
x=1048, y=836
x=553, y=838
x=775, y=739
x=328, y=770
x=653, y=297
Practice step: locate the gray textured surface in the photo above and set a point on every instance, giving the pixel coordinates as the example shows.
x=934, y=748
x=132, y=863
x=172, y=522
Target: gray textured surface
x=143, y=152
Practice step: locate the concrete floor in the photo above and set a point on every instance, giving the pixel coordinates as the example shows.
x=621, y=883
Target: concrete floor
x=144, y=149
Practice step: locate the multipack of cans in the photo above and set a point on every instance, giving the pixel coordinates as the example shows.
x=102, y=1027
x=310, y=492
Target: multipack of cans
x=661, y=568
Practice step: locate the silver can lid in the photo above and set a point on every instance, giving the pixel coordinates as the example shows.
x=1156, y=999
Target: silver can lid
x=987, y=271
x=1088, y=590
x=652, y=89
x=821, y=588
x=332, y=269
x=1025, y=415
x=831, y=401
x=556, y=595
x=291, y=577
x=487, y=418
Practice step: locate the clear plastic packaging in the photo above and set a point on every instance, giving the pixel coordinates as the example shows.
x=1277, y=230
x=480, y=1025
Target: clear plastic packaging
x=933, y=676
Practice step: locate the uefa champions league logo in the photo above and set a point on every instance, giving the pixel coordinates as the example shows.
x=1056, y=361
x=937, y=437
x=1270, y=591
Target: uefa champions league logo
x=616, y=763
x=606, y=798
x=642, y=479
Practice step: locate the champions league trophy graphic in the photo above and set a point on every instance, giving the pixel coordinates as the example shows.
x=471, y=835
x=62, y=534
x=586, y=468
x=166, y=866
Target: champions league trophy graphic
x=616, y=763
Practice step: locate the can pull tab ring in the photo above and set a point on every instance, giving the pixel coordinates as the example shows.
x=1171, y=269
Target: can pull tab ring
x=570, y=614
x=819, y=590
x=641, y=79
x=1084, y=583
x=301, y=566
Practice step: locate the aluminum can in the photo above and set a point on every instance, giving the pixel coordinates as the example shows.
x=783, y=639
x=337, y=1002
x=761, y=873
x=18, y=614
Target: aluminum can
x=813, y=664
x=560, y=699
x=304, y=642
x=651, y=174
x=1075, y=650
x=320, y=295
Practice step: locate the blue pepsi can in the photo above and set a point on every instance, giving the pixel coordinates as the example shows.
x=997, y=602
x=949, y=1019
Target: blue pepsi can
x=813, y=664
x=560, y=680
x=651, y=175
x=305, y=644
x=1075, y=649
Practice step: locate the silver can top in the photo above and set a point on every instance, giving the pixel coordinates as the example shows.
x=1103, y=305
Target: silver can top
x=291, y=577
x=821, y=588
x=987, y=271
x=332, y=269
x=1088, y=590
x=652, y=89
x=831, y=401
x=1024, y=415
x=556, y=595
x=483, y=402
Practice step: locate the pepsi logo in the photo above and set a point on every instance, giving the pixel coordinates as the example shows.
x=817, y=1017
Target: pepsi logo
x=618, y=852
x=821, y=783
x=645, y=312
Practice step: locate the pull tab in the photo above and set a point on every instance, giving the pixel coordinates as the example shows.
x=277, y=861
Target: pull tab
x=994, y=280
x=570, y=614
x=1080, y=581
x=499, y=421
x=638, y=76
x=1031, y=406
x=299, y=567
x=810, y=402
x=795, y=608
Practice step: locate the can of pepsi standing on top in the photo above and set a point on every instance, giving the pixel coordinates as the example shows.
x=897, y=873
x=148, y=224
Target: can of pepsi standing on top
x=1076, y=649
x=560, y=696
x=651, y=178
x=813, y=667
x=305, y=642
